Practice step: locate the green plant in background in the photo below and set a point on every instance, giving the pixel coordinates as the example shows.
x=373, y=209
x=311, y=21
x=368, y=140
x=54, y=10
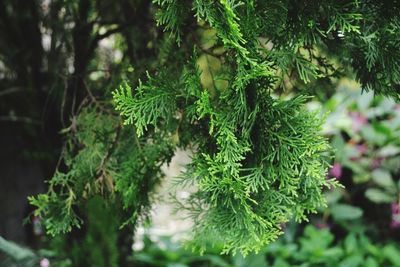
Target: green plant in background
x=99, y=244
x=259, y=159
x=14, y=255
x=317, y=247
x=365, y=133
x=314, y=247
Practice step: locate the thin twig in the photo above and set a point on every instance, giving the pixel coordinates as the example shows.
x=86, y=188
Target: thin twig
x=11, y=90
x=20, y=119
x=95, y=101
x=109, y=151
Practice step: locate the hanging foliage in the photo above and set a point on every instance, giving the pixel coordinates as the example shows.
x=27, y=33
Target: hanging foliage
x=259, y=159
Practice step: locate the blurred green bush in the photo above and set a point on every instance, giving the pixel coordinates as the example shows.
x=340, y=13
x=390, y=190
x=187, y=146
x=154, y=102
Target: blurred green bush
x=315, y=247
x=365, y=132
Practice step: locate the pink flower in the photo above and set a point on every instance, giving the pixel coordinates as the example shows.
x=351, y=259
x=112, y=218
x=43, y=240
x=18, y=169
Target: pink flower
x=336, y=170
x=322, y=225
x=358, y=120
x=362, y=148
x=395, y=223
x=44, y=263
x=395, y=208
x=376, y=163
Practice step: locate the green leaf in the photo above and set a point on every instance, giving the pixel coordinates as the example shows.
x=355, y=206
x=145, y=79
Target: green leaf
x=371, y=262
x=388, y=151
x=15, y=251
x=365, y=100
x=352, y=261
x=392, y=254
x=350, y=243
x=345, y=212
x=333, y=196
x=383, y=178
x=339, y=145
x=378, y=196
x=253, y=260
x=374, y=135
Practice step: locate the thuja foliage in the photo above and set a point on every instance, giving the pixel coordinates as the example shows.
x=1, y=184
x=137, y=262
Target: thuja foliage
x=258, y=159
x=102, y=159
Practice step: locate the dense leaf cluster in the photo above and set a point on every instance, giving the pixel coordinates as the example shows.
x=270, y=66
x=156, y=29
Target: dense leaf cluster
x=259, y=159
x=101, y=158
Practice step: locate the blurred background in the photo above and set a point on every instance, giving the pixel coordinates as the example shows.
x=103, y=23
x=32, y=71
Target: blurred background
x=54, y=55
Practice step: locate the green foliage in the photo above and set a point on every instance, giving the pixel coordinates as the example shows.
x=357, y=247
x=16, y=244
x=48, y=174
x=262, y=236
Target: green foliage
x=317, y=248
x=314, y=247
x=371, y=147
x=244, y=197
x=101, y=160
x=259, y=158
x=250, y=179
x=153, y=102
x=364, y=132
x=99, y=246
x=258, y=161
x=15, y=255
